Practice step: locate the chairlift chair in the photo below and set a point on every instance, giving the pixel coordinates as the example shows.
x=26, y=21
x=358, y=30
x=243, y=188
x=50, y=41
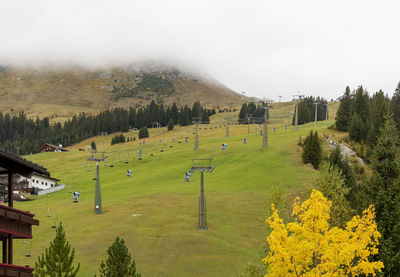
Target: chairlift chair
x=28, y=252
x=75, y=197
x=54, y=226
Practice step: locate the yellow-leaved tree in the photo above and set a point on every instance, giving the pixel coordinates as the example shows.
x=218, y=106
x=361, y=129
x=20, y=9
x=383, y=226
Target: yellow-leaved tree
x=309, y=247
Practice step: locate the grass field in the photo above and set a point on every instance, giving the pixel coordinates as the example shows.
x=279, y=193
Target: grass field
x=155, y=211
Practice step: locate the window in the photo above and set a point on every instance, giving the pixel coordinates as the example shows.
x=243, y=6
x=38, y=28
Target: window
x=42, y=182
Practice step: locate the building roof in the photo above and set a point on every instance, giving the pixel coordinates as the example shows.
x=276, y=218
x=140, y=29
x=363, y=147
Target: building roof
x=54, y=146
x=16, y=164
x=44, y=176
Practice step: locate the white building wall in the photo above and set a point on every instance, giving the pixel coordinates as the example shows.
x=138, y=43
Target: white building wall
x=50, y=190
x=41, y=182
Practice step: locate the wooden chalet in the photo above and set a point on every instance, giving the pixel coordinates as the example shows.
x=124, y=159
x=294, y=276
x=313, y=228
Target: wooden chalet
x=14, y=223
x=47, y=147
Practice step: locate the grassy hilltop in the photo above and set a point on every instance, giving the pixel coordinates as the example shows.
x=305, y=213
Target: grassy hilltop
x=60, y=93
x=155, y=211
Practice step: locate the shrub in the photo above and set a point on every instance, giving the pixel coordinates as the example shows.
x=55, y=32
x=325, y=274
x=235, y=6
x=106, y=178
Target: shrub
x=117, y=139
x=143, y=133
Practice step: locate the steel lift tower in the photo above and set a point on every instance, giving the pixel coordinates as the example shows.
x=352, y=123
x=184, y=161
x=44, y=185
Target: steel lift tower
x=265, y=135
x=227, y=126
x=297, y=98
x=196, y=140
x=316, y=114
x=202, y=165
x=98, y=157
x=248, y=116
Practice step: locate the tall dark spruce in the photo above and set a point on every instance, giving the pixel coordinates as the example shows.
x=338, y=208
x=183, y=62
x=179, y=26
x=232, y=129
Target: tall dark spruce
x=383, y=190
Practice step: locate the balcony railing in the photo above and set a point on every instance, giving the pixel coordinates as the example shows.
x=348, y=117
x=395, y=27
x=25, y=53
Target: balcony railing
x=7, y=270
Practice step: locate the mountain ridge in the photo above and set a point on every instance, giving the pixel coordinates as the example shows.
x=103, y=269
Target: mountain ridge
x=61, y=92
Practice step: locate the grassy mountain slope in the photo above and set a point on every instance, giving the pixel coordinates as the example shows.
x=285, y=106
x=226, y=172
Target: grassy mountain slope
x=156, y=212
x=60, y=93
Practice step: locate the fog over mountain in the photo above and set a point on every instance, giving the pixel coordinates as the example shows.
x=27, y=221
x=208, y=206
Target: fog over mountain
x=264, y=48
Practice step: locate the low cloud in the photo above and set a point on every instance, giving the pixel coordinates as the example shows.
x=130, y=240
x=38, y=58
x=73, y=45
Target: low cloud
x=265, y=48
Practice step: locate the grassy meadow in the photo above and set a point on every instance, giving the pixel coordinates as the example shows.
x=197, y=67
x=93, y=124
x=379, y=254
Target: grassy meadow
x=156, y=212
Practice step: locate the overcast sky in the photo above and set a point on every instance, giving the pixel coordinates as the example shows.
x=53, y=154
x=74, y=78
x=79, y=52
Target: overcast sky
x=265, y=48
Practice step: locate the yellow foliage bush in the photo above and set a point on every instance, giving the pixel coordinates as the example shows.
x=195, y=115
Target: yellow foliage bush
x=309, y=247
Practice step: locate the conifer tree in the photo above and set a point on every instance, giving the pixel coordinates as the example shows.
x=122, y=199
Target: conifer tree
x=316, y=151
x=242, y=113
x=119, y=262
x=312, y=152
x=336, y=159
x=371, y=136
x=58, y=258
x=304, y=113
x=205, y=119
x=170, y=124
x=395, y=106
x=174, y=113
x=307, y=146
x=251, y=108
x=356, y=128
x=196, y=110
x=93, y=145
x=343, y=114
x=361, y=104
x=379, y=110
x=383, y=191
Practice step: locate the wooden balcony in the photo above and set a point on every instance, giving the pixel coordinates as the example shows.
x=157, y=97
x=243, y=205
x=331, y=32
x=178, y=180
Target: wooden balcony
x=16, y=223
x=7, y=270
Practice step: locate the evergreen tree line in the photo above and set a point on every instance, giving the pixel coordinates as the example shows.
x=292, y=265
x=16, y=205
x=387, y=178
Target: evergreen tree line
x=25, y=135
x=306, y=111
x=381, y=189
x=362, y=115
x=255, y=112
x=376, y=121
